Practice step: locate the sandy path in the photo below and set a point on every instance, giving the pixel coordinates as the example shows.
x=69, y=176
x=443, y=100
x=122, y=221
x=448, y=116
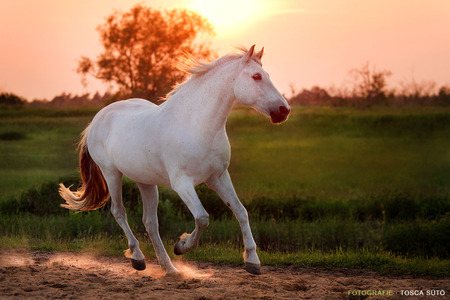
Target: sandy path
x=43, y=275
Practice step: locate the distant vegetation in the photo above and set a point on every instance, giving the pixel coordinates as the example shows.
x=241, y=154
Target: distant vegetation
x=67, y=100
x=8, y=99
x=368, y=87
x=317, y=96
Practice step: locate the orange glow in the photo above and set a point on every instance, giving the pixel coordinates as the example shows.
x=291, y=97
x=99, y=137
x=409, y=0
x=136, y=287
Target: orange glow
x=85, y=261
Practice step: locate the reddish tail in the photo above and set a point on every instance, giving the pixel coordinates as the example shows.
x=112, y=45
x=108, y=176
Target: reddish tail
x=94, y=192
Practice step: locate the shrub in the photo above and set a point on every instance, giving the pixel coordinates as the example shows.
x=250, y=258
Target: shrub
x=9, y=99
x=419, y=238
x=12, y=136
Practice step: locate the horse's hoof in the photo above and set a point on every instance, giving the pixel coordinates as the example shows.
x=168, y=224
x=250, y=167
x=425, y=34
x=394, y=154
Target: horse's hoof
x=138, y=264
x=177, y=248
x=253, y=268
x=174, y=275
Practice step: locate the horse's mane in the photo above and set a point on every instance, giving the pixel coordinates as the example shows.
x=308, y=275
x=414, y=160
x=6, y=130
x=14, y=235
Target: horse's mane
x=194, y=67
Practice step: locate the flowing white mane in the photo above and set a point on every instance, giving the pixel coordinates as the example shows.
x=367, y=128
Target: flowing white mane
x=194, y=67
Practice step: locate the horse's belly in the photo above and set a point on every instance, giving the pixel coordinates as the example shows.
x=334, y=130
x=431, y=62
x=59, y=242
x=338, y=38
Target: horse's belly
x=138, y=167
x=156, y=173
x=147, y=176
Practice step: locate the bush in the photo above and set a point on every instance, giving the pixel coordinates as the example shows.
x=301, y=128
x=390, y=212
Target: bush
x=397, y=222
x=9, y=99
x=419, y=238
x=389, y=206
x=42, y=200
x=12, y=136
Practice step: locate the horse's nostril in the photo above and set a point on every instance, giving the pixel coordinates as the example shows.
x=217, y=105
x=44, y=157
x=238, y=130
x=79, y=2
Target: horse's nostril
x=279, y=115
x=284, y=110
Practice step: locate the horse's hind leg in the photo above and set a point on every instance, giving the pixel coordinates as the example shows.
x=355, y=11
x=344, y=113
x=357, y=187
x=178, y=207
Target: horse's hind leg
x=150, y=219
x=186, y=191
x=114, y=182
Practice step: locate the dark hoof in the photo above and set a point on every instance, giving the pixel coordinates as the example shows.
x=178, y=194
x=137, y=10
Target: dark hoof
x=138, y=264
x=177, y=248
x=253, y=268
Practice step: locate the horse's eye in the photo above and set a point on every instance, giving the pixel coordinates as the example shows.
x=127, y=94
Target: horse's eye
x=257, y=77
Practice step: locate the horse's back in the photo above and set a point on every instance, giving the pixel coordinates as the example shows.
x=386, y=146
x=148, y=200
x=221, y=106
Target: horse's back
x=120, y=123
x=121, y=111
x=130, y=105
x=129, y=135
x=138, y=102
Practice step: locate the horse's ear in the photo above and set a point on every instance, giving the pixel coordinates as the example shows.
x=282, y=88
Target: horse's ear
x=248, y=56
x=260, y=54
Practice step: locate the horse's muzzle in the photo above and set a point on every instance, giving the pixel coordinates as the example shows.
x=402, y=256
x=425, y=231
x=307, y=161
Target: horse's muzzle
x=279, y=115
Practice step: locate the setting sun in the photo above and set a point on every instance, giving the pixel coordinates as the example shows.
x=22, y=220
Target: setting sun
x=227, y=16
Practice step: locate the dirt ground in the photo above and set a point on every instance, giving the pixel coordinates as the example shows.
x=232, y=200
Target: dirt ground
x=46, y=275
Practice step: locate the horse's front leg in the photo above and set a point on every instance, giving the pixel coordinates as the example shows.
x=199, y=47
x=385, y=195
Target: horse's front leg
x=185, y=189
x=224, y=188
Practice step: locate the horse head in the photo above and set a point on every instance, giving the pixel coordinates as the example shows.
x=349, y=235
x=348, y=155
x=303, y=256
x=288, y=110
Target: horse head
x=254, y=88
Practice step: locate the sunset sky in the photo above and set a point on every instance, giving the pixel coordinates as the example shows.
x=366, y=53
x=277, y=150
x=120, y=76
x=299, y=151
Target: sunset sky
x=306, y=43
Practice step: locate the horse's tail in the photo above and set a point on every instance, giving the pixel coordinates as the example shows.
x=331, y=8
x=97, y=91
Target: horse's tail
x=94, y=192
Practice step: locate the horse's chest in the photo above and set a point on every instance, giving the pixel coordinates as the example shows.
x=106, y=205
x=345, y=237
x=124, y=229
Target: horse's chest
x=206, y=160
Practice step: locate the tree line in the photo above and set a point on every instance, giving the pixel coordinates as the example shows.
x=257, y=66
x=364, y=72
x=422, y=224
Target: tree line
x=366, y=95
x=317, y=96
x=368, y=87
x=67, y=100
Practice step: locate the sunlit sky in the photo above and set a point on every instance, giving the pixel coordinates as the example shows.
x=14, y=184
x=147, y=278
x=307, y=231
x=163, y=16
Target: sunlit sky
x=307, y=43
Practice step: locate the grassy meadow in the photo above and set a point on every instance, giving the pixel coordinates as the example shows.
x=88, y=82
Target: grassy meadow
x=38, y=145
x=331, y=187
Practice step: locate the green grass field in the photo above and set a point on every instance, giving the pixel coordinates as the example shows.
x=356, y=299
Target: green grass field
x=38, y=145
x=328, y=188
x=341, y=152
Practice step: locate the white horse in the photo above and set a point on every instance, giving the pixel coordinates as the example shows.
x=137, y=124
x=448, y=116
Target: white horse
x=180, y=143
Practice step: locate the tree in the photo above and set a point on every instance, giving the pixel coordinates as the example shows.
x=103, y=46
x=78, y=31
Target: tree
x=10, y=99
x=443, y=97
x=416, y=90
x=370, y=84
x=315, y=97
x=142, y=48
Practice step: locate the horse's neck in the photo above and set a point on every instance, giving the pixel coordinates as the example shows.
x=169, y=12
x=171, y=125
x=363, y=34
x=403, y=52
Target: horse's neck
x=206, y=101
